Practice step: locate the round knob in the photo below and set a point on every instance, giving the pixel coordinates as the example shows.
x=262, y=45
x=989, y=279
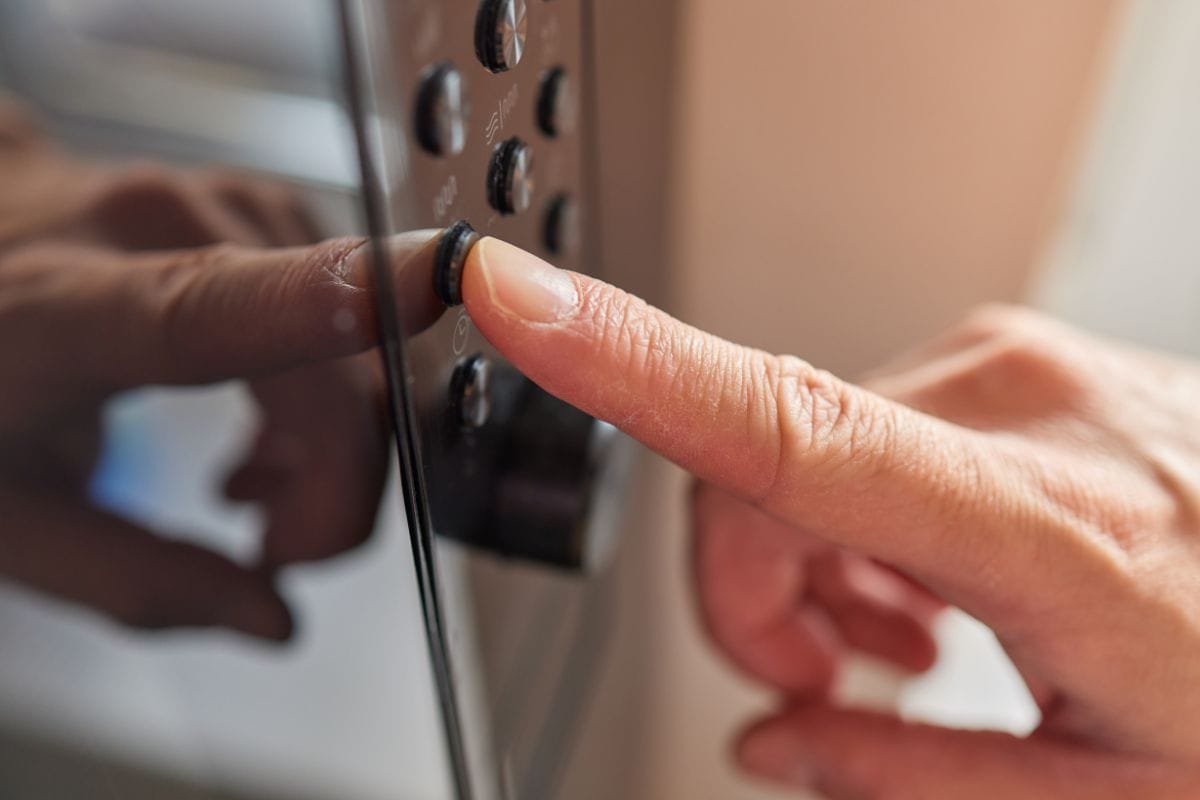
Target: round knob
x=470, y=392
x=441, y=113
x=556, y=108
x=500, y=31
x=562, y=229
x=510, y=177
x=559, y=486
x=520, y=473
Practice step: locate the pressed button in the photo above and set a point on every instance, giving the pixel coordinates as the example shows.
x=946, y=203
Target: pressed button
x=470, y=392
x=510, y=177
x=441, y=113
x=448, y=259
x=562, y=228
x=556, y=108
x=500, y=31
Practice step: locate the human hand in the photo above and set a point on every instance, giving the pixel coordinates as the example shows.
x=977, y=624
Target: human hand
x=118, y=276
x=1042, y=480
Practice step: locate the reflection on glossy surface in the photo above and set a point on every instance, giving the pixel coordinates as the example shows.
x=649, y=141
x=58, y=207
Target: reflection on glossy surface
x=252, y=503
x=239, y=516
x=509, y=498
x=316, y=464
x=418, y=306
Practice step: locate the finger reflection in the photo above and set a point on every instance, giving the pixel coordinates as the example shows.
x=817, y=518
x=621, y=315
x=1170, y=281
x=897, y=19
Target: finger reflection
x=411, y=257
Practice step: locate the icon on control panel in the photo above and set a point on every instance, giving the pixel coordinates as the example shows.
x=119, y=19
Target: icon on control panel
x=500, y=31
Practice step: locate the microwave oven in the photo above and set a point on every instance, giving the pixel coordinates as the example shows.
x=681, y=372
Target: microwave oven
x=453, y=654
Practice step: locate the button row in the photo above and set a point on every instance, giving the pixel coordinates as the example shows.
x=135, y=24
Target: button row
x=442, y=108
x=441, y=129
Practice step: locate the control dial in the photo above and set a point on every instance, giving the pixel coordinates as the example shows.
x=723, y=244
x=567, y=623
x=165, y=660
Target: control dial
x=442, y=111
x=500, y=31
x=562, y=228
x=523, y=474
x=556, y=108
x=470, y=392
x=510, y=177
x=558, y=479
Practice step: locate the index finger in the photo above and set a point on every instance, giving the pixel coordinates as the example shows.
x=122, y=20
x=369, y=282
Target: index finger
x=857, y=469
x=208, y=314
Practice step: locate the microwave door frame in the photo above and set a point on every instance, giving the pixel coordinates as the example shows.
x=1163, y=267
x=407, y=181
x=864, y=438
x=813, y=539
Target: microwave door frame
x=356, y=79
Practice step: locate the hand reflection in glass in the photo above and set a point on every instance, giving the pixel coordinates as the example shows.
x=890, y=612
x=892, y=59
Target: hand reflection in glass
x=114, y=277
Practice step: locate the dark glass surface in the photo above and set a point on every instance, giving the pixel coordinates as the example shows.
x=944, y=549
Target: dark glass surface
x=331, y=691
x=101, y=697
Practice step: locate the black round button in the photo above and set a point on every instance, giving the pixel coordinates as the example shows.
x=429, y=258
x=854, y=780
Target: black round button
x=441, y=113
x=448, y=259
x=510, y=177
x=470, y=392
x=562, y=228
x=556, y=107
x=500, y=31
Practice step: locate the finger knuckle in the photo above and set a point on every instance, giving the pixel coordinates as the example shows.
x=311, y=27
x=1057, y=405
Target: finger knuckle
x=824, y=426
x=261, y=196
x=997, y=319
x=221, y=178
x=1020, y=352
x=1029, y=361
x=277, y=196
x=143, y=179
x=136, y=192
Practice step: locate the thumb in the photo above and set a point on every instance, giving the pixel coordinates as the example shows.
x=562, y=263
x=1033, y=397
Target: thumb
x=860, y=755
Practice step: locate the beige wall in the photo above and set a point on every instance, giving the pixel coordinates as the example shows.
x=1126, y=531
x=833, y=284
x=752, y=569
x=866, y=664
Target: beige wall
x=852, y=174
x=847, y=178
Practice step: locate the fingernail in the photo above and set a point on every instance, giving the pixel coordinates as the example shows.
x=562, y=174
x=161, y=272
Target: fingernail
x=777, y=755
x=523, y=285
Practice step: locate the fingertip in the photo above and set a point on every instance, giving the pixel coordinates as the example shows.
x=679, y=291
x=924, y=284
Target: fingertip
x=500, y=277
x=923, y=653
x=874, y=610
x=799, y=654
x=894, y=637
x=260, y=613
x=771, y=748
x=750, y=748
